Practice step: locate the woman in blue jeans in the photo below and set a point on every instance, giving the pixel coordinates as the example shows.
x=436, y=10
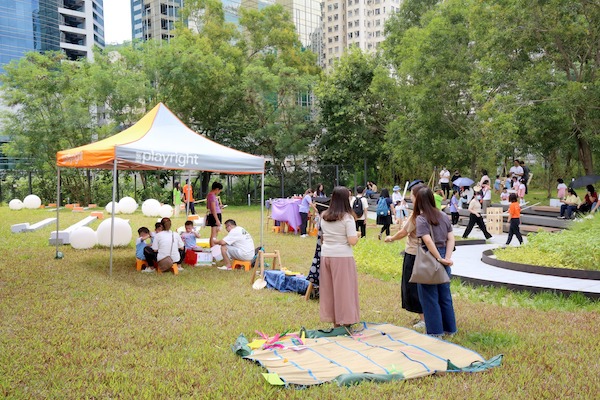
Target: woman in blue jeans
x=435, y=231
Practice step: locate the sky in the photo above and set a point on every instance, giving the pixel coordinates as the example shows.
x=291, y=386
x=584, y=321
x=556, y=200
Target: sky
x=117, y=21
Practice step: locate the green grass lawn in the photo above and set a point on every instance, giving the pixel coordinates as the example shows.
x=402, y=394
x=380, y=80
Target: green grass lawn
x=69, y=330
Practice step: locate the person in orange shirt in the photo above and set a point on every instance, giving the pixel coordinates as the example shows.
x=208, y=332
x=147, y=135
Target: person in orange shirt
x=514, y=218
x=188, y=197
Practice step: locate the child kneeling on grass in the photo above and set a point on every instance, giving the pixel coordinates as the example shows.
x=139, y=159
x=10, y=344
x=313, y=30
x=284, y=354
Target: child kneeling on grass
x=141, y=245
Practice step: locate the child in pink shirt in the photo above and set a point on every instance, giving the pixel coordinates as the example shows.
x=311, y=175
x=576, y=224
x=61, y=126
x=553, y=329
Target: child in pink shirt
x=521, y=191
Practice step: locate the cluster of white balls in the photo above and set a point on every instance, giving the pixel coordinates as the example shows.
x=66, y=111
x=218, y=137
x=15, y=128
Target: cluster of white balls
x=32, y=202
x=86, y=238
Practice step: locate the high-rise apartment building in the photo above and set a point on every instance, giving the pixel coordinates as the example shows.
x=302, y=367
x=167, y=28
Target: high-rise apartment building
x=73, y=26
x=357, y=23
x=154, y=19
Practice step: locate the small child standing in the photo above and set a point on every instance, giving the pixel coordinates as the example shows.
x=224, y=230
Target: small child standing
x=504, y=195
x=508, y=182
x=400, y=210
x=561, y=189
x=521, y=191
x=497, y=184
x=514, y=218
x=189, y=237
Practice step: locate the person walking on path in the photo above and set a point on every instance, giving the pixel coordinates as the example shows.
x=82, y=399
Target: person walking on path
x=361, y=220
x=338, y=280
x=476, y=218
x=188, y=197
x=514, y=219
x=434, y=229
x=409, y=292
x=385, y=210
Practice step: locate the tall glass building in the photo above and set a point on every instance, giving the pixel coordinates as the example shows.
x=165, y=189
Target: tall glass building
x=73, y=26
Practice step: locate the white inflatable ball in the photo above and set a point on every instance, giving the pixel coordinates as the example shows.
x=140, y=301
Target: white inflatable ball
x=108, y=207
x=122, y=235
x=83, y=238
x=151, y=208
x=127, y=205
x=32, y=201
x=166, y=211
x=15, y=204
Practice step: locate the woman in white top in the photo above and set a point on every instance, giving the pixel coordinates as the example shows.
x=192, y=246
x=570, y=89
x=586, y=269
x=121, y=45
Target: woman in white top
x=338, y=286
x=476, y=218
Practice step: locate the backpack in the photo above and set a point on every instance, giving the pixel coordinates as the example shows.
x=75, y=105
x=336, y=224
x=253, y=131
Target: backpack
x=357, y=207
x=382, y=207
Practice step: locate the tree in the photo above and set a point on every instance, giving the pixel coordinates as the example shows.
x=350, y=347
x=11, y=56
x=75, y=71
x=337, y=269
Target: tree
x=544, y=56
x=52, y=109
x=354, y=110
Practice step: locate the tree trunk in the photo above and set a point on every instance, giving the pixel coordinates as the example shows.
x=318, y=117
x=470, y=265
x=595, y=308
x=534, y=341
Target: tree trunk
x=585, y=154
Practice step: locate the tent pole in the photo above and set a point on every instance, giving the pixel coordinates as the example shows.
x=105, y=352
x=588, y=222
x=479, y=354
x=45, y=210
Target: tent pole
x=57, y=208
x=112, y=215
x=262, y=208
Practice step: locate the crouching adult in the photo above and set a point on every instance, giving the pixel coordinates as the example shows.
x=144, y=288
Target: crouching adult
x=168, y=246
x=237, y=245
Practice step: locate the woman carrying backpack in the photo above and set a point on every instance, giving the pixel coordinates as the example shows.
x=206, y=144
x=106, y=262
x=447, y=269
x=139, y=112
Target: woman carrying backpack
x=360, y=206
x=385, y=210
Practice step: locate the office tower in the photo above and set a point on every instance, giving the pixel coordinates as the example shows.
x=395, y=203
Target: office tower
x=73, y=26
x=357, y=23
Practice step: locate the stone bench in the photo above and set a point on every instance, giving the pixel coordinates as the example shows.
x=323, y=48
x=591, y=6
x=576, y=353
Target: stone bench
x=64, y=236
x=25, y=227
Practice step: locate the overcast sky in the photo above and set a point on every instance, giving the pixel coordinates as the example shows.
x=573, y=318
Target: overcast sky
x=117, y=21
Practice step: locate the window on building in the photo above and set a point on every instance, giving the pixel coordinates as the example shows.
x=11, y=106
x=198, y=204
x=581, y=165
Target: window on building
x=378, y=34
x=356, y=33
x=329, y=19
x=336, y=38
x=337, y=49
x=330, y=40
x=350, y=24
x=329, y=29
x=349, y=13
x=336, y=28
x=377, y=11
x=335, y=17
x=329, y=7
x=377, y=22
x=335, y=6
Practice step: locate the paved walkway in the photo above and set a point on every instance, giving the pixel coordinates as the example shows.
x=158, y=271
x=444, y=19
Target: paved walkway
x=469, y=267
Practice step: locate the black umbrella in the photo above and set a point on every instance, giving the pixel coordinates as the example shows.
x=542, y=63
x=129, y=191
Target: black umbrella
x=584, y=181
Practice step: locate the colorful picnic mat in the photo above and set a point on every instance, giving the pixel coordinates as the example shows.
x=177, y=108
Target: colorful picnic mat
x=380, y=352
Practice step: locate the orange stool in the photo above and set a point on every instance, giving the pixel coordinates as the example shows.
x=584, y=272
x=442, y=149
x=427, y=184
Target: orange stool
x=276, y=229
x=238, y=263
x=92, y=205
x=139, y=264
x=173, y=268
x=97, y=214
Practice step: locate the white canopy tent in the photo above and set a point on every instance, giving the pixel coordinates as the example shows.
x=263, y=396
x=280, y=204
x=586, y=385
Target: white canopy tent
x=159, y=141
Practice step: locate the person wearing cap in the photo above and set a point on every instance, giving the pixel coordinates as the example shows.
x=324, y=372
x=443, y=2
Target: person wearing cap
x=396, y=195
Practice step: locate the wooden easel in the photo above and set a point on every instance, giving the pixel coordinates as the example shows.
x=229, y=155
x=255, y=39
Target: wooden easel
x=276, y=264
x=494, y=220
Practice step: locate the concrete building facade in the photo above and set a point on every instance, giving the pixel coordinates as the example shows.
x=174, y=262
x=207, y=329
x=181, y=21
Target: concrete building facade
x=357, y=23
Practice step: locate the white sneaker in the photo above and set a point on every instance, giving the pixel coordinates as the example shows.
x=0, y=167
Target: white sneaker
x=149, y=269
x=225, y=268
x=419, y=325
x=179, y=269
x=303, y=236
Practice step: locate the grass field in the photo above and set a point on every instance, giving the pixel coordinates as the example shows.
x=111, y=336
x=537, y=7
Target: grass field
x=69, y=330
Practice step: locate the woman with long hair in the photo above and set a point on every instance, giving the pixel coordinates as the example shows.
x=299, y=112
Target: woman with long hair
x=319, y=191
x=384, y=219
x=435, y=231
x=475, y=217
x=409, y=292
x=338, y=280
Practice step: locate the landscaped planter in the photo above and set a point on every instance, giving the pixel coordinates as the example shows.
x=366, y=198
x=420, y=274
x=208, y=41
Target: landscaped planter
x=536, y=269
